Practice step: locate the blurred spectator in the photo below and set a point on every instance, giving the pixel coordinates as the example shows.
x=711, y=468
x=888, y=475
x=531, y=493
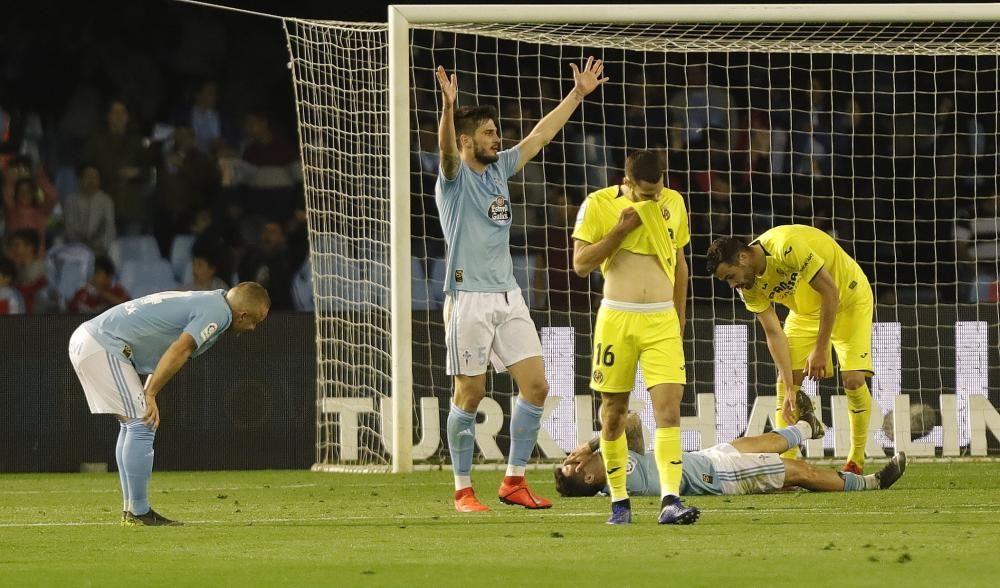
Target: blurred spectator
x=29, y=207
x=553, y=248
x=699, y=106
x=978, y=242
x=187, y=180
x=10, y=299
x=101, y=292
x=204, y=274
x=270, y=163
x=122, y=160
x=206, y=124
x=32, y=280
x=21, y=167
x=267, y=264
x=89, y=215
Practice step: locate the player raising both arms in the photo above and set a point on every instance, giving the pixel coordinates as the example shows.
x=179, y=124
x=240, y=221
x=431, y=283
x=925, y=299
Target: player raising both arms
x=486, y=318
x=636, y=233
x=829, y=301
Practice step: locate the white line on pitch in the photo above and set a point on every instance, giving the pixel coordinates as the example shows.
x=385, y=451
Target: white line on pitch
x=500, y=516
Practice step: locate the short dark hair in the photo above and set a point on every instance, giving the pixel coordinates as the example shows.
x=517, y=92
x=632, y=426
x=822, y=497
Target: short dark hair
x=468, y=119
x=85, y=165
x=644, y=166
x=8, y=268
x=723, y=250
x=104, y=263
x=570, y=486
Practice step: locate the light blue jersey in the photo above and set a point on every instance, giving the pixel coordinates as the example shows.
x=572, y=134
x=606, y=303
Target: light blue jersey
x=141, y=330
x=475, y=213
x=643, y=478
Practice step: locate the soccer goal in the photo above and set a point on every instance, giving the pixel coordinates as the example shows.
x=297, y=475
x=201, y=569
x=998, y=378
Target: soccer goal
x=877, y=123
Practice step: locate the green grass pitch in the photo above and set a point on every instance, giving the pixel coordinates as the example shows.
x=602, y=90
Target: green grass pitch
x=940, y=527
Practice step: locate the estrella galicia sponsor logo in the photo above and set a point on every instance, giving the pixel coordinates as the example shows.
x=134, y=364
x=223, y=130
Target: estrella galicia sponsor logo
x=499, y=210
x=208, y=331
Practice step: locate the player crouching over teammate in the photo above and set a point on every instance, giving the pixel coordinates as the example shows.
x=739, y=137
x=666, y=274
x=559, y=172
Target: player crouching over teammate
x=749, y=465
x=154, y=335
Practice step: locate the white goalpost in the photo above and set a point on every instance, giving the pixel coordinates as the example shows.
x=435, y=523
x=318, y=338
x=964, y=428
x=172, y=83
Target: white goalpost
x=876, y=122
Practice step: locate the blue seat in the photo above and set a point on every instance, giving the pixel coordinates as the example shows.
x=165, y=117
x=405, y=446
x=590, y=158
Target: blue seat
x=140, y=278
x=302, y=291
x=69, y=268
x=180, y=257
x=135, y=248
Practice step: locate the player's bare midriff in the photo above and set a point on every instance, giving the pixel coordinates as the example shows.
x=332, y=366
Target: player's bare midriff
x=638, y=279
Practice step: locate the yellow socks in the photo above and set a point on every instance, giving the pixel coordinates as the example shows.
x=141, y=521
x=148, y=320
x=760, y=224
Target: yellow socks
x=859, y=412
x=615, y=456
x=667, y=452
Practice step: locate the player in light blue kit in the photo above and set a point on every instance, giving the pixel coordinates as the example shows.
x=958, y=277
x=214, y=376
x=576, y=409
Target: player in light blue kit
x=486, y=319
x=749, y=465
x=152, y=335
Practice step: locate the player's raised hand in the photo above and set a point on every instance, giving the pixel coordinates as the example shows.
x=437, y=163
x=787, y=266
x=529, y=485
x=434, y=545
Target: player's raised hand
x=592, y=75
x=789, y=408
x=449, y=85
x=815, y=368
x=628, y=220
x=578, y=457
x=152, y=415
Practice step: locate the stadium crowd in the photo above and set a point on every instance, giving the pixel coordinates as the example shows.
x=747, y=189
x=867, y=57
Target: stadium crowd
x=152, y=158
x=137, y=158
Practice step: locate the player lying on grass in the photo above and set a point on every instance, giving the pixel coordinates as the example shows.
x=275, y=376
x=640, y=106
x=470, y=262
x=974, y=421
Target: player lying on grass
x=749, y=465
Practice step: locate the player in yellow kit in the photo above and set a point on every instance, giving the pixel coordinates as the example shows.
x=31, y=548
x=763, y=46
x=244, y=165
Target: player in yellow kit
x=830, y=302
x=636, y=233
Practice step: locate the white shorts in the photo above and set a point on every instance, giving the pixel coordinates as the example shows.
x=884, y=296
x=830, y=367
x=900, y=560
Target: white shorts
x=483, y=327
x=111, y=385
x=745, y=473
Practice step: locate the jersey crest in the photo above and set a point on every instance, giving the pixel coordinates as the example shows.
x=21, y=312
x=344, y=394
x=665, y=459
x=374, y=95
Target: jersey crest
x=499, y=210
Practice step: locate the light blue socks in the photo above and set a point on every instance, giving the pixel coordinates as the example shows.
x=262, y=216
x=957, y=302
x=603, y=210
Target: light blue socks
x=137, y=457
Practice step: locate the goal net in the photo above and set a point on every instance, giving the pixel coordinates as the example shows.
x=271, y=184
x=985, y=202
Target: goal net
x=882, y=133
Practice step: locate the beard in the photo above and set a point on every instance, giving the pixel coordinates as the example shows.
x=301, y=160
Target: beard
x=485, y=156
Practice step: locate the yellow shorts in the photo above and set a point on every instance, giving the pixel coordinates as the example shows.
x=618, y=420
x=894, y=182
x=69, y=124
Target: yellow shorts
x=851, y=337
x=647, y=335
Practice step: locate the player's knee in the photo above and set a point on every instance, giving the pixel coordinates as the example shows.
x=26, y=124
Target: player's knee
x=853, y=380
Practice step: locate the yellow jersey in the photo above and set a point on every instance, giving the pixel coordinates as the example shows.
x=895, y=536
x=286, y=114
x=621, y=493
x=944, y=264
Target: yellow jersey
x=600, y=213
x=794, y=255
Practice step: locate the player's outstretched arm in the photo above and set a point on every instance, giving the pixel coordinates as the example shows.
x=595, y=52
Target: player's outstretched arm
x=681, y=275
x=171, y=362
x=585, y=81
x=447, y=142
x=777, y=344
